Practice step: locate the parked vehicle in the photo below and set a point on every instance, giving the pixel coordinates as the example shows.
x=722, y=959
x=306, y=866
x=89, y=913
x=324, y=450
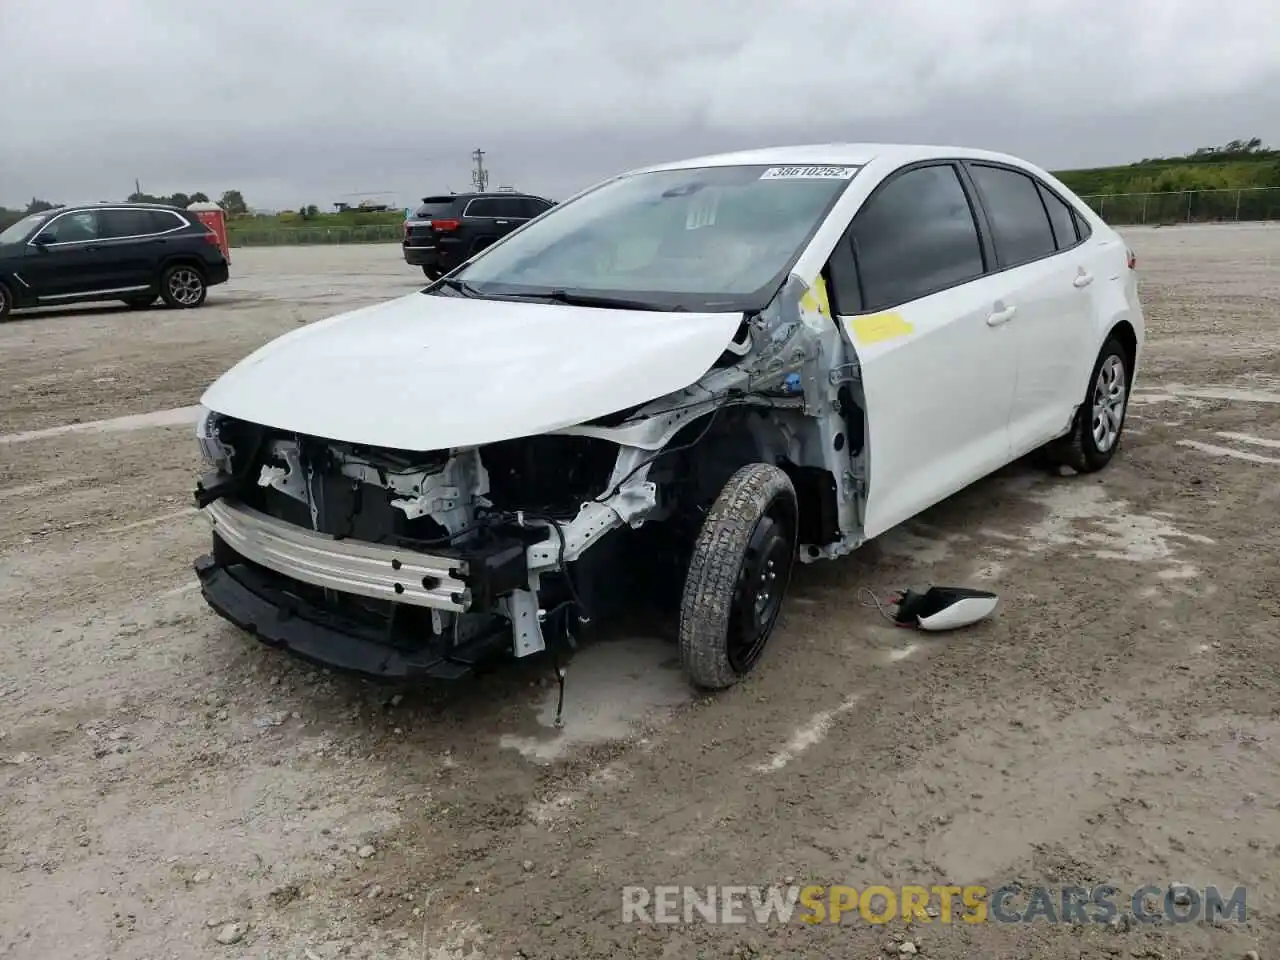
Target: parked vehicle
x=710, y=369
x=446, y=230
x=131, y=252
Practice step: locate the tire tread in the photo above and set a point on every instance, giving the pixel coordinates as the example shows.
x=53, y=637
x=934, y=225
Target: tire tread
x=718, y=552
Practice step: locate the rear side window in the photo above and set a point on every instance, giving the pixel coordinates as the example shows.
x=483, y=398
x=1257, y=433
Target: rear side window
x=497, y=207
x=127, y=223
x=1060, y=216
x=1019, y=224
x=533, y=207
x=162, y=220
x=915, y=236
x=435, y=207
x=482, y=208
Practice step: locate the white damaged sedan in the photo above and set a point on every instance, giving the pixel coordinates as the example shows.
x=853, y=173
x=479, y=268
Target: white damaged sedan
x=673, y=386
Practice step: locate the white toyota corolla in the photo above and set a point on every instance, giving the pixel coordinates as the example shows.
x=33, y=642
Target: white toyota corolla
x=673, y=386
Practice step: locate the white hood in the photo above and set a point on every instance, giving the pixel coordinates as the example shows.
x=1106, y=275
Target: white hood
x=427, y=372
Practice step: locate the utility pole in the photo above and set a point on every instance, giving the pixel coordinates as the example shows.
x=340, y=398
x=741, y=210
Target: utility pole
x=479, y=176
x=137, y=187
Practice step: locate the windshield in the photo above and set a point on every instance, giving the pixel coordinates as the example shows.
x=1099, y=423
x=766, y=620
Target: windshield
x=17, y=232
x=707, y=238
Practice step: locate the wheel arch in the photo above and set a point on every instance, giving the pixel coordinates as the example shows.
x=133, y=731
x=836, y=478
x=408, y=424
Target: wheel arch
x=182, y=260
x=748, y=436
x=1123, y=331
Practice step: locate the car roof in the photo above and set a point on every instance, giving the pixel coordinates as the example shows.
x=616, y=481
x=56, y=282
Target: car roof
x=852, y=154
x=109, y=204
x=472, y=195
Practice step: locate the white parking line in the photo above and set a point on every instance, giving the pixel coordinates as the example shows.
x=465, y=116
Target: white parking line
x=178, y=416
x=810, y=734
x=179, y=591
x=1246, y=438
x=152, y=521
x=1226, y=452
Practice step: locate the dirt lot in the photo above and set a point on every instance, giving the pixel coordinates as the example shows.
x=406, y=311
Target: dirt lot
x=166, y=783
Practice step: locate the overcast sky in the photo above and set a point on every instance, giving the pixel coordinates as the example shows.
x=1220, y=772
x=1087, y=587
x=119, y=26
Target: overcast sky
x=308, y=101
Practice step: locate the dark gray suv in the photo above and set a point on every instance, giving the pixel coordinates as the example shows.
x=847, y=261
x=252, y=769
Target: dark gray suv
x=119, y=251
x=447, y=230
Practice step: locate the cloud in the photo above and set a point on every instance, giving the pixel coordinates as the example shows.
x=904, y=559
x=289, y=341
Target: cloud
x=295, y=102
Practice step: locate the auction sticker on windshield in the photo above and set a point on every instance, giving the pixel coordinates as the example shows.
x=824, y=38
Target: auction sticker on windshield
x=809, y=173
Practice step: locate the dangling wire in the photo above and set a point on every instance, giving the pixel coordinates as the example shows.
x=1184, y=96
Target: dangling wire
x=875, y=602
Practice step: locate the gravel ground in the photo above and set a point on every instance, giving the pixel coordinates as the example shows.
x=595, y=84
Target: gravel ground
x=171, y=789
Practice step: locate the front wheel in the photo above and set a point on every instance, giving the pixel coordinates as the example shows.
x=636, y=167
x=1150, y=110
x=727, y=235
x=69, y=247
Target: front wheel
x=1095, y=432
x=182, y=287
x=432, y=273
x=738, y=574
x=6, y=301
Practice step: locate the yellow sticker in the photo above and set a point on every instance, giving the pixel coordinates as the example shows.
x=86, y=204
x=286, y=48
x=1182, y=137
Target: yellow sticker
x=815, y=298
x=880, y=326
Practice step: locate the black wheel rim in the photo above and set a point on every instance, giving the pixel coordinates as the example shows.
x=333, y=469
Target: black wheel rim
x=762, y=580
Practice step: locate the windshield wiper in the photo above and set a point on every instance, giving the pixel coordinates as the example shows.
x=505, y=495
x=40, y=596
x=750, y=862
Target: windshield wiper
x=464, y=288
x=594, y=300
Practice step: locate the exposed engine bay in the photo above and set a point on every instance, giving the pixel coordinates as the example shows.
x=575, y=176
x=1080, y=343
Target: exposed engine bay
x=436, y=557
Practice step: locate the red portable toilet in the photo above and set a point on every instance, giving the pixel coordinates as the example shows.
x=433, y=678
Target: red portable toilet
x=215, y=218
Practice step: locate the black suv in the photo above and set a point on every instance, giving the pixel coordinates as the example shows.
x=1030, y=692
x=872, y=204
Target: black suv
x=118, y=251
x=448, y=230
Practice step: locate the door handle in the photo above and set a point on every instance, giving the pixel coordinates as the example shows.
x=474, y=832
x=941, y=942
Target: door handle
x=1083, y=279
x=1001, y=316
x=502, y=223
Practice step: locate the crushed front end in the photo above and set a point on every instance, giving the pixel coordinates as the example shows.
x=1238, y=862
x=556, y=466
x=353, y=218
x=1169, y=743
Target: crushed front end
x=397, y=564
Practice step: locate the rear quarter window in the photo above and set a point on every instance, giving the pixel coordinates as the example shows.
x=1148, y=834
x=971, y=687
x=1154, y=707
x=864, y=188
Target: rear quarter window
x=1019, y=222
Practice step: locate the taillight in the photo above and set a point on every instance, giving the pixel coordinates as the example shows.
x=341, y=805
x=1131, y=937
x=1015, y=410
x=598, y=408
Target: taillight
x=1132, y=260
x=211, y=237
x=444, y=226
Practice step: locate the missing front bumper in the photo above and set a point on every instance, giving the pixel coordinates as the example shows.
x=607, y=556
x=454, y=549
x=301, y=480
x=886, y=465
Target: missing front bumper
x=368, y=570
x=249, y=599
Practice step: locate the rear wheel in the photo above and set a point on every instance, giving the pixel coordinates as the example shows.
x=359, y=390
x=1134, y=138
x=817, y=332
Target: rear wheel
x=183, y=287
x=1096, y=431
x=738, y=574
x=432, y=273
x=6, y=301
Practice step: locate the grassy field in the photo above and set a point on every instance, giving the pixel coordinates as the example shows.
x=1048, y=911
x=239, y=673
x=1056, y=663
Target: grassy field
x=292, y=228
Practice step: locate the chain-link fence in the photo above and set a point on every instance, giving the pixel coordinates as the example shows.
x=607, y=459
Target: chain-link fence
x=1188, y=206
x=374, y=233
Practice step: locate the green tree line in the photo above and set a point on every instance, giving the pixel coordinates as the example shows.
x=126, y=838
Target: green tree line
x=1238, y=165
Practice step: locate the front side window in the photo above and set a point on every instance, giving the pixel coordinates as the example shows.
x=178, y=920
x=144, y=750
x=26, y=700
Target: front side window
x=1019, y=223
x=76, y=227
x=706, y=238
x=915, y=236
x=17, y=232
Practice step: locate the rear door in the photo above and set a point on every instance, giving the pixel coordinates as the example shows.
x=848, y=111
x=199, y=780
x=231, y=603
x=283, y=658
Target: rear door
x=495, y=217
x=914, y=298
x=132, y=242
x=1046, y=281
x=67, y=265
